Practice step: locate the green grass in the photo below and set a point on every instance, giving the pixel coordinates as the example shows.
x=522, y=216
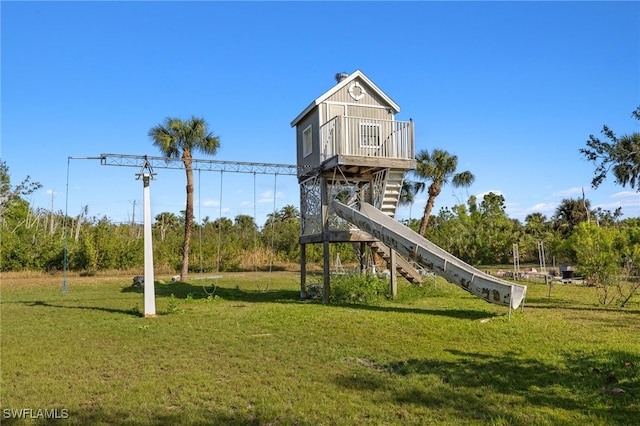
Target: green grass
x=435, y=355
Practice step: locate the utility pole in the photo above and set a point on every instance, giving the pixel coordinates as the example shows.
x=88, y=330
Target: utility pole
x=51, y=215
x=133, y=216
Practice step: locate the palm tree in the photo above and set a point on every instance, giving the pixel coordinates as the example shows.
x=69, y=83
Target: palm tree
x=272, y=218
x=289, y=212
x=285, y=214
x=570, y=213
x=165, y=221
x=178, y=139
x=621, y=155
x=536, y=224
x=408, y=193
x=439, y=168
x=627, y=168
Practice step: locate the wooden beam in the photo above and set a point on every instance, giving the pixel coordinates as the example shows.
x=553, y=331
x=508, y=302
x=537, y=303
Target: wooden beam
x=394, y=276
x=345, y=236
x=326, y=292
x=303, y=271
x=351, y=164
x=324, y=201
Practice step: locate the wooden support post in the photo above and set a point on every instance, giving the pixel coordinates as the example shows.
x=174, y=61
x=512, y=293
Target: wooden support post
x=392, y=269
x=324, y=200
x=326, y=292
x=303, y=271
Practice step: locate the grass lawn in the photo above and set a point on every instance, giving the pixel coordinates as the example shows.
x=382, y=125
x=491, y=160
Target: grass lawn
x=435, y=355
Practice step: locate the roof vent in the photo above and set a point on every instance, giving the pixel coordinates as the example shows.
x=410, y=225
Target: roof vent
x=341, y=76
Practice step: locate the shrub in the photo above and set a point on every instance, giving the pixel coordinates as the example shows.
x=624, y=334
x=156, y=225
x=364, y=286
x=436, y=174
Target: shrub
x=172, y=308
x=359, y=288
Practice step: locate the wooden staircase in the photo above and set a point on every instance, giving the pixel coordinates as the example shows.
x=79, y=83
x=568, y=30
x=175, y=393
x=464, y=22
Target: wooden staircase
x=390, y=198
x=391, y=194
x=403, y=267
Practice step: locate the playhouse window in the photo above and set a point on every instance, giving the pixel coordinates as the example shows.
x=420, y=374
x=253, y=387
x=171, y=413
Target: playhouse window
x=369, y=135
x=307, y=141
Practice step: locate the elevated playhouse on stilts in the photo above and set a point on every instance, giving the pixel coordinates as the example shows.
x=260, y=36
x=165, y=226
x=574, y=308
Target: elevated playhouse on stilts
x=351, y=148
x=352, y=158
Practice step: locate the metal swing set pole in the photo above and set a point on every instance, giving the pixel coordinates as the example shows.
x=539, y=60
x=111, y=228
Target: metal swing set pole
x=149, y=279
x=146, y=174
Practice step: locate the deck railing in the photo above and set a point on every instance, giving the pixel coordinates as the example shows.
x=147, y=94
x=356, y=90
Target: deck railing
x=366, y=137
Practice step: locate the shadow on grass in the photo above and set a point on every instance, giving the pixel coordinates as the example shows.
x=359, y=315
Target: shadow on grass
x=475, y=386
x=450, y=313
x=131, y=312
x=540, y=303
x=182, y=290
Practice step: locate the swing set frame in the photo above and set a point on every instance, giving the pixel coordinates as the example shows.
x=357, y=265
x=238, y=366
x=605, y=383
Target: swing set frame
x=147, y=164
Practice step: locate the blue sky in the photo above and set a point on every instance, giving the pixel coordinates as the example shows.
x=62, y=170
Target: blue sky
x=514, y=89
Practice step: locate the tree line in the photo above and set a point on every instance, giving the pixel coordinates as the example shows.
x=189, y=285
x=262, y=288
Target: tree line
x=479, y=232
x=36, y=239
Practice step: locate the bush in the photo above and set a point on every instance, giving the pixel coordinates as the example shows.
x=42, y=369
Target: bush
x=357, y=288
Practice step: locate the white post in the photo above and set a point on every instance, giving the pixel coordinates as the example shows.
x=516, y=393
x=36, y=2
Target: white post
x=149, y=288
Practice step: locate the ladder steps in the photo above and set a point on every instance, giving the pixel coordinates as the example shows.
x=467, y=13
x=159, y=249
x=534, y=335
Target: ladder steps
x=393, y=187
x=402, y=266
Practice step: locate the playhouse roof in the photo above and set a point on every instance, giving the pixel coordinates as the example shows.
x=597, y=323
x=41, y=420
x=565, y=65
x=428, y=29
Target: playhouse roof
x=357, y=74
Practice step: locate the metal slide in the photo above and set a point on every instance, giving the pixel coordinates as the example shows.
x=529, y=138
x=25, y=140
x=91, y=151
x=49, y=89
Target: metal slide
x=406, y=242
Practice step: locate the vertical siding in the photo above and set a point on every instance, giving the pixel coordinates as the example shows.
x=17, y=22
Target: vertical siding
x=370, y=131
x=342, y=96
x=368, y=112
x=314, y=158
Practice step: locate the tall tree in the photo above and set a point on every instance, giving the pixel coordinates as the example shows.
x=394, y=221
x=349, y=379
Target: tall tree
x=570, y=213
x=179, y=139
x=621, y=156
x=285, y=214
x=247, y=229
x=536, y=224
x=165, y=221
x=439, y=168
x=408, y=193
x=598, y=254
x=9, y=194
x=289, y=212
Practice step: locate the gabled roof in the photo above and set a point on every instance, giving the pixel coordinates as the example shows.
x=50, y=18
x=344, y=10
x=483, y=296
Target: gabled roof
x=357, y=74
